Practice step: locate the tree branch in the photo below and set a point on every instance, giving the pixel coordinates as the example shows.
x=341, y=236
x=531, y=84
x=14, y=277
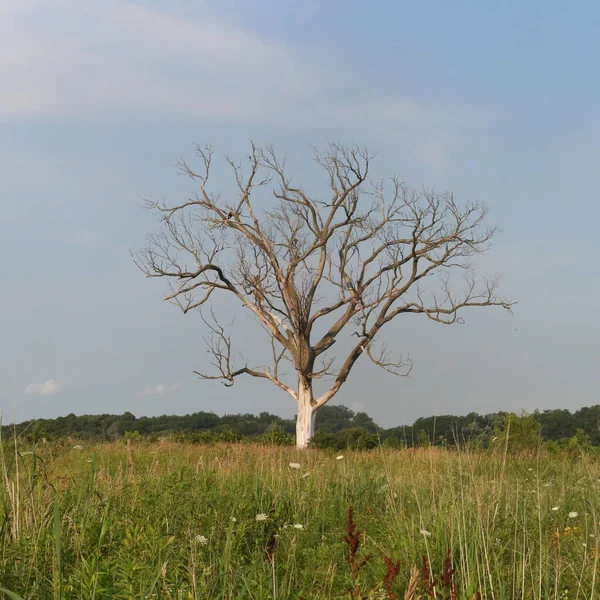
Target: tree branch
x=362, y=255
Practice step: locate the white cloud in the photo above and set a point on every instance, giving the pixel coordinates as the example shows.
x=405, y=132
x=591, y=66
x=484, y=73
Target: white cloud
x=47, y=388
x=159, y=390
x=117, y=56
x=121, y=58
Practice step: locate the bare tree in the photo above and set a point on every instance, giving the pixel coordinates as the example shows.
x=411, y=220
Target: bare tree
x=310, y=269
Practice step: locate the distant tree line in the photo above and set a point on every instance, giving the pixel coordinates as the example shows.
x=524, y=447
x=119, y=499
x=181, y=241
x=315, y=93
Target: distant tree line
x=337, y=427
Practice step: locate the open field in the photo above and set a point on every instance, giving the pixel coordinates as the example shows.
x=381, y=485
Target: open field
x=238, y=521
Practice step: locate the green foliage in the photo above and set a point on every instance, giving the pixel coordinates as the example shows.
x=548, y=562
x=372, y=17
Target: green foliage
x=10, y=595
x=337, y=428
x=423, y=439
x=519, y=432
x=133, y=437
x=392, y=442
x=175, y=521
x=353, y=438
x=579, y=443
x=275, y=435
x=229, y=434
x=36, y=434
x=358, y=438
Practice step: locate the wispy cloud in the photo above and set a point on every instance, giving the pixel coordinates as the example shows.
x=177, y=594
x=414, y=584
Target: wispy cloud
x=47, y=388
x=159, y=390
x=116, y=57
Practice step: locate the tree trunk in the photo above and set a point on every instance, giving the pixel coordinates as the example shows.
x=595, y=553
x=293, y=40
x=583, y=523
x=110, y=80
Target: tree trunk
x=305, y=422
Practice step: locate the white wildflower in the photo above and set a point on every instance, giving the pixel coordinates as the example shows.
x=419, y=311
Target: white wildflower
x=298, y=526
x=339, y=457
x=294, y=465
x=78, y=447
x=555, y=508
x=425, y=533
x=261, y=517
x=233, y=519
x=573, y=514
x=202, y=540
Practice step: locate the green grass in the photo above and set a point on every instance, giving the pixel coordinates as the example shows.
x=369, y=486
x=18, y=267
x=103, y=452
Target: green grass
x=173, y=521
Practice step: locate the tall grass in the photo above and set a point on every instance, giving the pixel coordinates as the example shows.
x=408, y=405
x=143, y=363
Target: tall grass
x=237, y=521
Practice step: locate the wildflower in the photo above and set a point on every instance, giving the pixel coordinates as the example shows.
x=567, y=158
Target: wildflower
x=573, y=514
x=339, y=457
x=202, y=540
x=294, y=465
x=261, y=517
x=425, y=533
x=306, y=474
x=78, y=447
x=233, y=519
x=555, y=508
x=298, y=526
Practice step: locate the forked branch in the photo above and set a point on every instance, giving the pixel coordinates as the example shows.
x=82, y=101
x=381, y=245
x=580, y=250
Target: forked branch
x=311, y=268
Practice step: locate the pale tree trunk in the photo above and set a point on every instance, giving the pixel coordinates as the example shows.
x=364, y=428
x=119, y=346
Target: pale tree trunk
x=305, y=422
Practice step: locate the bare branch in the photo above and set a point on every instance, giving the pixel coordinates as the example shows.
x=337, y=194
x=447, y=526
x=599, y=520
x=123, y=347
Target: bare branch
x=310, y=268
x=219, y=345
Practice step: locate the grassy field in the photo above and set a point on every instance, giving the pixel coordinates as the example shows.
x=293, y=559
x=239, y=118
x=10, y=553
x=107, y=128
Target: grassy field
x=238, y=521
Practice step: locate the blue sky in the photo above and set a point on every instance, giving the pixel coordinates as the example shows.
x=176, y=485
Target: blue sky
x=492, y=101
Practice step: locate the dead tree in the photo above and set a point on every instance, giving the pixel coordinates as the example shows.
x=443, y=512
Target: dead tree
x=311, y=269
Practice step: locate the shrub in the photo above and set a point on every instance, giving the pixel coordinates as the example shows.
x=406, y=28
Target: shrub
x=523, y=432
x=132, y=436
x=276, y=435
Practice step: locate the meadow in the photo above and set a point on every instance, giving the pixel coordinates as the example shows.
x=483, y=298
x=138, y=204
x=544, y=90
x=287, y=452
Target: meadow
x=181, y=521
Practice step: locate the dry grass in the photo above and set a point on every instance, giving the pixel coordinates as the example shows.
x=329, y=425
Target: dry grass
x=174, y=521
